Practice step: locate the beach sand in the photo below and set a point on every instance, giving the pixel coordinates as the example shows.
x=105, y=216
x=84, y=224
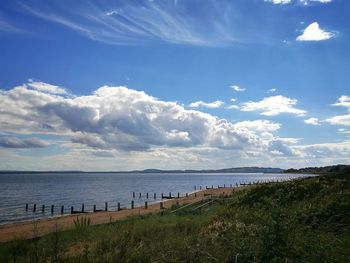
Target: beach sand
x=40, y=227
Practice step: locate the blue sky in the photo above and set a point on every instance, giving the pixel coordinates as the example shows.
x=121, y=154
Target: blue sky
x=218, y=84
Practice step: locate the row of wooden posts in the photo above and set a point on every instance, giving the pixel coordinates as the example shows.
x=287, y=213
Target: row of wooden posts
x=119, y=208
x=163, y=196
x=72, y=211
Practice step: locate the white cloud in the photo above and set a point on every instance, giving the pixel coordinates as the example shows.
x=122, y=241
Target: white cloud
x=340, y=120
x=47, y=88
x=274, y=105
x=232, y=99
x=325, y=152
x=237, y=88
x=210, y=105
x=232, y=107
x=271, y=90
x=312, y=121
x=313, y=32
x=279, y=2
x=343, y=101
x=307, y=2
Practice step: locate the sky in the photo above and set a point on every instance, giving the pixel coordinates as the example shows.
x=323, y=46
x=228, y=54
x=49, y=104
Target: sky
x=174, y=84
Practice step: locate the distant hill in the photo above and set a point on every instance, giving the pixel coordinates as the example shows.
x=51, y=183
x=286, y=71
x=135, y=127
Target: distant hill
x=326, y=169
x=226, y=170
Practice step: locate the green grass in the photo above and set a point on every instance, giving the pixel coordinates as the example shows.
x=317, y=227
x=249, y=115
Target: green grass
x=306, y=220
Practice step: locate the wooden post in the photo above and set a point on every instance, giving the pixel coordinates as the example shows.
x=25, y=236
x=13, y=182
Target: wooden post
x=106, y=206
x=62, y=209
x=147, y=195
x=94, y=209
x=52, y=209
x=178, y=195
x=43, y=208
x=155, y=196
x=162, y=196
x=132, y=204
x=195, y=194
x=170, y=194
x=140, y=195
x=161, y=205
x=186, y=194
x=119, y=206
x=146, y=205
x=34, y=208
x=133, y=194
x=71, y=209
x=26, y=207
x=82, y=208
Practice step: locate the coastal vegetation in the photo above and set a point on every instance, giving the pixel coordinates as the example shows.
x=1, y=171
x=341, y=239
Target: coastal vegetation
x=304, y=220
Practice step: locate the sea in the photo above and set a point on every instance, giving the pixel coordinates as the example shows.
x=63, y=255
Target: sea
x=74, y=189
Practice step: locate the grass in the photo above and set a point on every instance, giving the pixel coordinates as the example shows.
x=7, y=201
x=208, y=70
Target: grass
x=306, y=220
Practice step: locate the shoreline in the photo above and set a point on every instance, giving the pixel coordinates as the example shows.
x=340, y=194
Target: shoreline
x=40, y=227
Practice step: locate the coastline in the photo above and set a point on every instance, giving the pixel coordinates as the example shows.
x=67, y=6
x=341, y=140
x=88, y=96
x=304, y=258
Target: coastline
x=41, y=227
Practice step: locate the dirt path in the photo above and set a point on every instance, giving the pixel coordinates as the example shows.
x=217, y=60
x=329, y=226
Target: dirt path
x=26, y=230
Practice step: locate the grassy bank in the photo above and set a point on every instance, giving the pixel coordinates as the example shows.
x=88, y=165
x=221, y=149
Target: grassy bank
x=305, y=220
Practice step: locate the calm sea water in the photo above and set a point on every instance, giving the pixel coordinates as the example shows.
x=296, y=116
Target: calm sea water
x=73, y=189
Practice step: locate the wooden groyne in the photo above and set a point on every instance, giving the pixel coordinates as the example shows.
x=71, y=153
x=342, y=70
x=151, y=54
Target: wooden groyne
x=137, y=199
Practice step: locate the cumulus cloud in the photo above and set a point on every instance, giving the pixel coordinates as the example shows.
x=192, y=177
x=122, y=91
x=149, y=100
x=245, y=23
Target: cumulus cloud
x=123, y=119
x=15, y=142
x=272, y=106
x=237, y=88
x=210, y=105
x=313, y=32
x=271, y=90
x=312, y=121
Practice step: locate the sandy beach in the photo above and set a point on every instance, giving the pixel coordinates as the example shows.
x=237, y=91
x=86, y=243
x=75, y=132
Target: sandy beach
x=30, y=229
